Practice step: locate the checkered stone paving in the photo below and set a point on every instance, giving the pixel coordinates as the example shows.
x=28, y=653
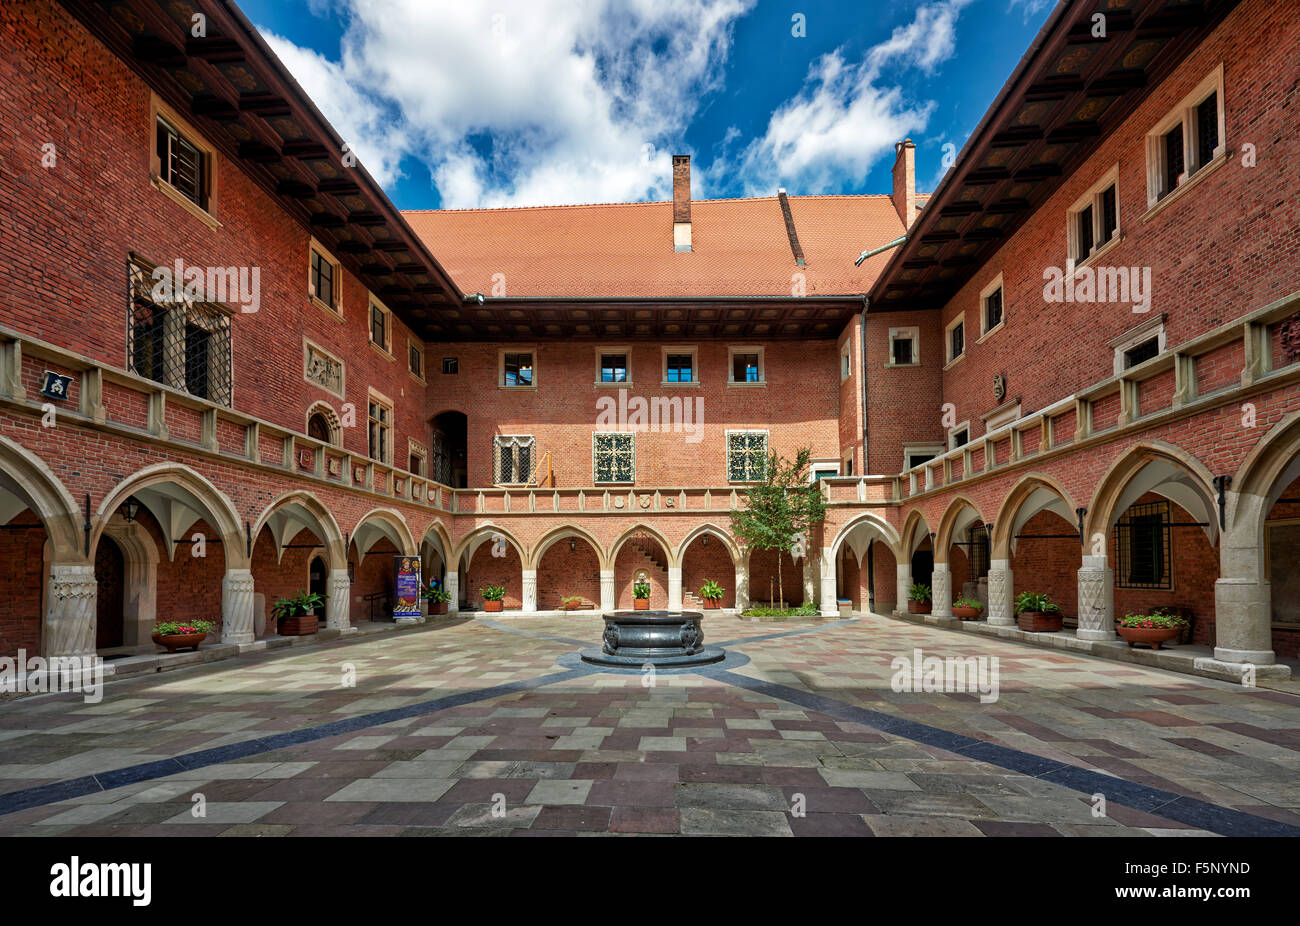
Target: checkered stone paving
x=475, y=728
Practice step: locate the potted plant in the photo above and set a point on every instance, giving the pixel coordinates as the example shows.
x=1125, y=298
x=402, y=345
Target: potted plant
x=296, y=615
x=712, y=594
x=571, y=602
x=493, y=597
x=1036, y=613
x=174, y=635
x=918, y=598
x=1152, y=629
x=437, y=596
x=967, y=609
x=641, y=596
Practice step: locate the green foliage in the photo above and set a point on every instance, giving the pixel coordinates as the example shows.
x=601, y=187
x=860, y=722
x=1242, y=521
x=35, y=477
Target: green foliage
x=1156, y=620
x=779, y=507
x=571, y=599
x=968, y=603
x=641, y=590
x=1036, y=602
x=918, y=592
x=804, y=610
x=168, y=628
x=493, y=593
x=299, y=605
x=710, y=590
x=435, y=594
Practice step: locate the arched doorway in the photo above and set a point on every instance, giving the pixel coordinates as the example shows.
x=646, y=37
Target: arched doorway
x=448, y=449
x=110, y=577
x=317, y=576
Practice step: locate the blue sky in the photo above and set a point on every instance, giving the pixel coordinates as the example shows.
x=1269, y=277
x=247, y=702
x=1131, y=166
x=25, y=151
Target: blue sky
x=471, y=103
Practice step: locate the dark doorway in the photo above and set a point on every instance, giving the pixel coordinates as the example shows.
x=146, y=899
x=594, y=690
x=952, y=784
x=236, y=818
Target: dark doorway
x=448, y=450
x=316, y=577
x=923, y=566
x=110, y=576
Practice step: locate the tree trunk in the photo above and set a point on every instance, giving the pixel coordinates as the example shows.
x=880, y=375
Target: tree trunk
x=780, y=587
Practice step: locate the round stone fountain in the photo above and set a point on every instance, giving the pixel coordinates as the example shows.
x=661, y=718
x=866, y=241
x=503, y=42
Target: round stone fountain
x=660, y=638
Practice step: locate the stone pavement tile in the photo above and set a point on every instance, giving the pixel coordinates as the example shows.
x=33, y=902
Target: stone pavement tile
x=1079, y=829
x=967, y=784
x=346, y=769
x=332, y=832
x=830, y=824
x=294, y=789
x=855, y=778
x=913, y=803
x=416, y=768
x=551, y=791
x=339, y=813
x=831, y=800
x=393, y=789
x=573, y=818
x=798, y=777
x=903, y=825
x=730, y=796
x=82, y=814
x=156, y=830
x=484, y=790
x=485, y=815
x=140, y=814
x=1158, y=831
x=644, y=820
x=646, y=771
x=722, y=774
x=407, y=814
x=1066, y=807
x=257, y=829
x=1130, y=817
x=1004, y=828
x=595, y=770
x=714, y=821
x=217, y=812
x=631, y=793
x=661, y=744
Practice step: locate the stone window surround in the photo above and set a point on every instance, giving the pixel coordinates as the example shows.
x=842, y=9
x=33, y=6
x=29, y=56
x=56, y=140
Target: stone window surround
x=694, y=353
x=990, y=288
x=1184, y=113
x=500, y=441
x=420, y=377
x=385, y=349
x=734, y=349
x=726, y=453
x=594, y=470
x=1152, y=327
x=1092, y=197
x=1001, y=416
x=334, y=311
x=935, y=448
x=331, y=417
x=159, y=109
x=601, y=350
x=416, y=449
x=846, y=360
x=957, y=429
x=374, y=395
x=912, y=333
x=949, y=360
x=501, y=366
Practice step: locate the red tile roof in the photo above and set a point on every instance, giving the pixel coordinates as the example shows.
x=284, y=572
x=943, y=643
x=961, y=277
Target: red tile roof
x=626, y=250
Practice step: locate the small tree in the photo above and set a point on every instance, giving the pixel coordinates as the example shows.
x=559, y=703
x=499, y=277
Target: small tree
x=783, y=505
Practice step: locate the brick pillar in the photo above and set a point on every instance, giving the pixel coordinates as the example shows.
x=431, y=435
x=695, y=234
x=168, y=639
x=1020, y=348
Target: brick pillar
x=1096, y=600
x=70, y=613
x=1001, y=608
x=941, y=591
x=237, y=607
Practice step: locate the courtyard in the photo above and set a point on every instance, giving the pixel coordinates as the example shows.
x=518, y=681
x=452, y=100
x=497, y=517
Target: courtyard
x=493, y=727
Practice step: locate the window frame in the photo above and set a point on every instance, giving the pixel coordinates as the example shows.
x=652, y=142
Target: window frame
x=1093, y=198
x=334, y=305
x=993, y=286
x=374, y=397
x=951, y=360
x=846, y=360
x=666, y=352
x=1184, y=114
x=732, y=351
x=416, y=449
x=613, y=350
x=373, y=303
x=207, y=210
x=502, y=353
x=1122, y=343
x=905, y=333
x=415, y=348
x=726, y=452
x=1124, y=553
x=455, y=364
x=332, y=421
x=595, y=451
x=514, y=441
x=933, y=449
x=954, y=431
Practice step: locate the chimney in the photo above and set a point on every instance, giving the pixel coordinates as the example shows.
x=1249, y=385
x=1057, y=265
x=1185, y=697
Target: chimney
x=904, y=195
x=681, y=202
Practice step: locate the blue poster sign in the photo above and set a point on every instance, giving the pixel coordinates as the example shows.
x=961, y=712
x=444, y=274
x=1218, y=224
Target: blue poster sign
x=406, y=585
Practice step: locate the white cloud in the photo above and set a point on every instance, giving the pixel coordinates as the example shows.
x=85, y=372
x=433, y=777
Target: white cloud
x=847, y=115
x=521, y=103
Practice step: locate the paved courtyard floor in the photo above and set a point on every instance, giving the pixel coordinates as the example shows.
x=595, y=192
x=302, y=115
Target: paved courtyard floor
x=492, y=728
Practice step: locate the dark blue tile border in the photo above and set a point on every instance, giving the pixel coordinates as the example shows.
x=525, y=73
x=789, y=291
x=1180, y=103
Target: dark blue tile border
x=1203, y=815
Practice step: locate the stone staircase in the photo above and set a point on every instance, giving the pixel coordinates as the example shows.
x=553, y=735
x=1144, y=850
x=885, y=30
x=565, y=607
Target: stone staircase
x=654, y=558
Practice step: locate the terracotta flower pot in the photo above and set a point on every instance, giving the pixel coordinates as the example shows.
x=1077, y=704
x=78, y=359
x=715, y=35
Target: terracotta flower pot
x=301, y=626
x=712, y=603
x=492, y=605
x=918, y=607
x=572, y=605
x=1151, y=636
x=1040, y=621
x=174, y=641
x=965, y=614
x=438, y=608
x=641, y=604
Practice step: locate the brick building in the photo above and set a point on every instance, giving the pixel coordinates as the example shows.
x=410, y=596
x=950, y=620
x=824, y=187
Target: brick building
x=1077, y=373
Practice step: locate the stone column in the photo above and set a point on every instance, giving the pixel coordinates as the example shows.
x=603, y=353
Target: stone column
x=70, y=611
x=237, y=607
x=810, y=581
x=742, y=588
x=530, y=590
x=674, y=588
x=608, y=600
x=829, y=604
x=1001, y=607
x=338, y=609
x=1096, y=600
x=904, y=585
x=941, y=591
x=451, y=582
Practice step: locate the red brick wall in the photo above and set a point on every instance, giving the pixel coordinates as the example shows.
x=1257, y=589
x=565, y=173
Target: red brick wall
x=903, y=403
x=486, y=569
x=886, y=577
x=1048, y=565
x=702, y=563
x=22, y=585
x=286, y=578
x=189, y=586
x=629, y=562
x=562, y=573
x=762, y=567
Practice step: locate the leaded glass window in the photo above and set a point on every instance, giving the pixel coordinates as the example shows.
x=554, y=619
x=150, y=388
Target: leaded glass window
x=613, y=457
x=179, y=342
x=513, y=458
x=746, y=456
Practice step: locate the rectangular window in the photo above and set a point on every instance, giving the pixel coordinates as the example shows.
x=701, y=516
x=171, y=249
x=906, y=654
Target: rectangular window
x=450, y=366
x=416, y=466
x=1109, y=215
x=1187, y=139
x=378, y=326
x=993, y=309
x=181, y=164
x=184, y=346
x=517, y=370
x=1141, y=542
x=381, y=426
x=978, y=547
x=744, y=368
x=513, y=458
x=1093, y=220
x=1173, y=142
x=613, y=457
x=1141, y=352
x=1084, y=235
x=956, y=341
x=322, y=278
x=613, y=368
x=416, y=359
x=960, y=438
x=902, y=351
x=679, y=368
x=916, y=459
x=746, y=456
x=1207, y=129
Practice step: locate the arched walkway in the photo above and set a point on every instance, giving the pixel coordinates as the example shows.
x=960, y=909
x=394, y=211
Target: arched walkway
x=854, y=566
x=709, y=554
x=490, y=555
x=960, y=557
x=643, y=554
x=567, y=562
x=1037, y=511
x=294, y=531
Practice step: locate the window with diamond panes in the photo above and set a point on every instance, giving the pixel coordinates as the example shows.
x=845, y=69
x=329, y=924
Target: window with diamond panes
x=614, y=458
x=513, y=458
x=746, y=456
x=182, y=345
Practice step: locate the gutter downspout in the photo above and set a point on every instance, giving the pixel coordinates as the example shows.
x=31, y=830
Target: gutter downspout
x=874, y=251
